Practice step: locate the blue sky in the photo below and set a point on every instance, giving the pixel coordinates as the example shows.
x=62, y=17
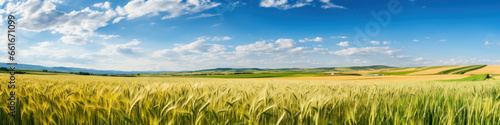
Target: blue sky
x=173, y=35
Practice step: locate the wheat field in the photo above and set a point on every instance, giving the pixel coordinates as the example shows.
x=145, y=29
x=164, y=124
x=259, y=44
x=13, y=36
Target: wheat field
x=72, y=99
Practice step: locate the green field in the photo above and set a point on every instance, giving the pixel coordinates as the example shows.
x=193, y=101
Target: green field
x=470, y=69
x=262, y=75
x=458, y=69
x=479, y=77
x=407, y=72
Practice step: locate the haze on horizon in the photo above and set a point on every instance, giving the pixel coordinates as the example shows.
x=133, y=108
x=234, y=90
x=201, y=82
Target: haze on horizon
x=146, y=35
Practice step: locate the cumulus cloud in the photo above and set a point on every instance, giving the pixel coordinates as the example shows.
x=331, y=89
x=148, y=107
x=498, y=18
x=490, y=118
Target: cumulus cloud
x=386, y=42
x=117, y=19
x=400, y=56
x=328, y=4
x=463, y=61
x=197, y=47
x=317, y=39
x=105, y=5
x=121, y=49
x=415, y=40
x=443, y=40
x=203, y=15
x=275, y=3
x=365, y=51
x=200, y=50
x=44, y=49
x=108, y=36
x=342, y=37
x=225, y=38
x=263, y=47
x=285, y=4
x=418, y=59
x=280, y=48
x=487, y=43
x=78, y=40
x=373, y=42
x=344, y=44
x=40, y=16
x=174, y=8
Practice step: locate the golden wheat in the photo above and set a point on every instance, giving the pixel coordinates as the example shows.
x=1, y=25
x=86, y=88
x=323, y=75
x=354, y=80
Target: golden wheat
x=71, y=99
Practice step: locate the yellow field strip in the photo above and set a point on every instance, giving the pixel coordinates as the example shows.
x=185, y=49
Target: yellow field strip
x=434, y=71
x=491, y=69
x=377, y=78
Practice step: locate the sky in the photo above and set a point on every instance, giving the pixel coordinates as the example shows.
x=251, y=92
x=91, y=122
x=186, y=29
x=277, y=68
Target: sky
x=177, y=35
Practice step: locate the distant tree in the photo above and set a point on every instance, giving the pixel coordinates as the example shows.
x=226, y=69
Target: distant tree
x=84, y=73
x=45, y=70
x=4, y=69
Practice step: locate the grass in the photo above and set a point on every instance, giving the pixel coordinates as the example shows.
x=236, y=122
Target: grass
x=75, y=99
x=262, y=75
x=479, y=77
x=470, y=69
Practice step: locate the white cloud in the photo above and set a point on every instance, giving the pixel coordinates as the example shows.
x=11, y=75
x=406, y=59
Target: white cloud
x=44, y=49
x=418, y=59
x=283, y=4
x=78, y=40
x=174, y=8
x=41, y=16
x=373, y=42
x=225, y=38
x=401, y=56
x=386, y=42
x=197, y=47
x=464, y=61
x=203, y=15
x=415, y=40
x=344, y=44
x=317, y=39
x=300, y=4
x=285, y=43
x=342, y=37
x=121, y=49
x=105, y=5
x=202, y=52
x=262, y=46
x=365, y=51
x=358, y=61
x=275, y=3
x=328, y=4
x=443, y=40
x=117, y=19
x=280, y=48
x=108, y=36
x=487, y=43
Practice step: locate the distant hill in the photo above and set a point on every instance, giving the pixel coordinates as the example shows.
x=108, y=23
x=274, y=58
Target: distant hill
x=325, y=69
x=115, y=72
x=71, y=69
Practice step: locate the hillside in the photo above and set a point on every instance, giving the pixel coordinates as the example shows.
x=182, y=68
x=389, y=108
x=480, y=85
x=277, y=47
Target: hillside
x=72, y=69
x=325, y=69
